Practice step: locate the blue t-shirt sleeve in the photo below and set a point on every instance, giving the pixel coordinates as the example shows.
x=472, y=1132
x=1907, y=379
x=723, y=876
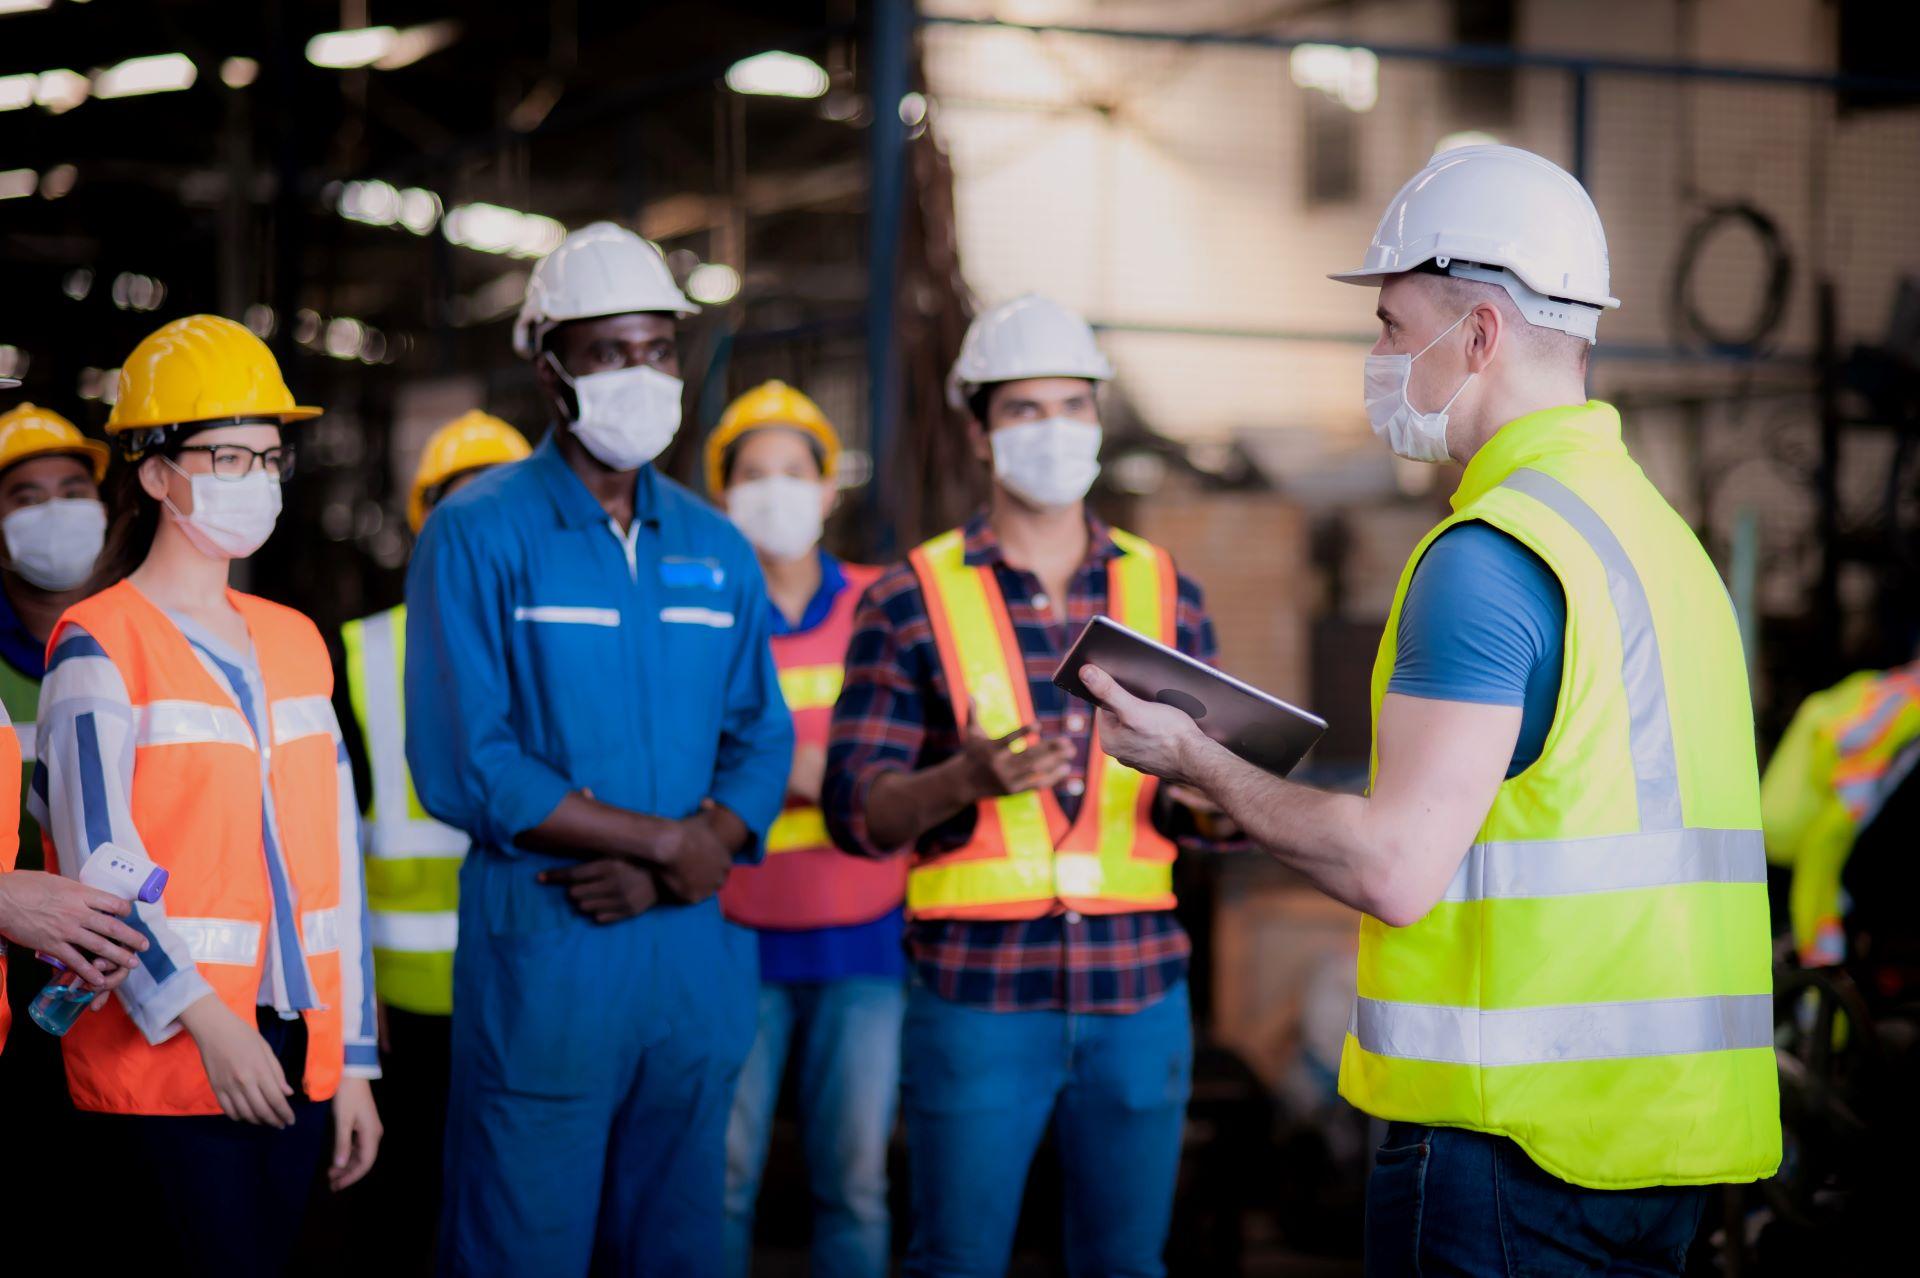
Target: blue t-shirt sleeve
x=1484, y=621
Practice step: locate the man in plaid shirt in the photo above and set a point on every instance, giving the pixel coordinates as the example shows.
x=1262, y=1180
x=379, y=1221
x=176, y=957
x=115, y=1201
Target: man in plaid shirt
x=1060, y=1005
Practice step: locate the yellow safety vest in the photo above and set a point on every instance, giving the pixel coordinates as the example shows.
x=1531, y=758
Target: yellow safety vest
x=1846, y=751
x=413, y=861
x=1024, y=860
x=1596, y=981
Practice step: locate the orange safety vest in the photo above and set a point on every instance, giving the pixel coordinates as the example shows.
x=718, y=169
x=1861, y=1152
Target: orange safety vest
x=9, y=850
x=198, y=807
x=1023, y=860
x=806, y=882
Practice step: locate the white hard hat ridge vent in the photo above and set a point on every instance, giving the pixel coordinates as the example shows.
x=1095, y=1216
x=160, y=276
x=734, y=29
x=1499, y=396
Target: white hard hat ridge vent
x=601, y=269
x=1031, y=336
x=1499, y=215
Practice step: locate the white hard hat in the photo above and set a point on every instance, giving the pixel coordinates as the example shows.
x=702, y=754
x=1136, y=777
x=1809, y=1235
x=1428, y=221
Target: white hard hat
x=1502, y=216
x=602, y=269
x=1030, y=336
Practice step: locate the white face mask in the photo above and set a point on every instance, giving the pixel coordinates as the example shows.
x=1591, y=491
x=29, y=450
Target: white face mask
x=1050, y=463
x=53, y=545
x=626, y=417
x=780, y=515
x=231, y=518
x=1410, y=433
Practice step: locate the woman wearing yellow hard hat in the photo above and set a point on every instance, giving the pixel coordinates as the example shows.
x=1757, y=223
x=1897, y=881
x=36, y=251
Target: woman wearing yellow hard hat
x=832, y=975
x=189, y=725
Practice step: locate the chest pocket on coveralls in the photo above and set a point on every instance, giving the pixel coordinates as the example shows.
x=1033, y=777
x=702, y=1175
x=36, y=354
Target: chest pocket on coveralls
x=697, y=620
x=568, y=646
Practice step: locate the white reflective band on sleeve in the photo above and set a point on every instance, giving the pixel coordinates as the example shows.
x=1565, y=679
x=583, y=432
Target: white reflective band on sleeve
x=320, y=931
x=1578, y=1032
x=234, y=941
x=697, y=617
x=414, y=840
x=1649, y=728
x=296, y=717
x=567, y=616
x=27, y=736
x=162, y=723
x=404, y=932
x=1613, y=863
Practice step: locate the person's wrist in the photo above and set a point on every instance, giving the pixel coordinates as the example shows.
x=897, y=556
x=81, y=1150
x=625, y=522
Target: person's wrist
x=1192, y=751
x=201, y=1014
x=967, y=782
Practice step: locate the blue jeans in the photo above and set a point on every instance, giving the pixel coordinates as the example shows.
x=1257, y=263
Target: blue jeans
x=1446, y=1201
x=982, y=1088
x=845, y=1035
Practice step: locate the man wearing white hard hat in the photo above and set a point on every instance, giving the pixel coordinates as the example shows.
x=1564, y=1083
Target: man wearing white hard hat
x=1565, y=1009
x=591, y=699
x=1050, y=974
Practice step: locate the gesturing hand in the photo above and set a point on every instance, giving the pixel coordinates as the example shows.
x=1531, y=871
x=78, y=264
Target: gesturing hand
x=70, y=921
x=996, y=768
x=607, y=891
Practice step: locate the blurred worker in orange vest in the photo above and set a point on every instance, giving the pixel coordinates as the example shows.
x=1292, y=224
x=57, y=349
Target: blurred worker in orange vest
x=51, y=527
x=832, y=977
x=192, y=724
x=1050, y=988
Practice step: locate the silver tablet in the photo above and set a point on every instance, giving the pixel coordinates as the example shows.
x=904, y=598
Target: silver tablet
x=1262, y=729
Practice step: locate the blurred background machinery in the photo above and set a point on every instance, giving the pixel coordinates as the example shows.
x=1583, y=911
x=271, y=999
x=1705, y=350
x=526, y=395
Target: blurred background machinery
x=840, y=183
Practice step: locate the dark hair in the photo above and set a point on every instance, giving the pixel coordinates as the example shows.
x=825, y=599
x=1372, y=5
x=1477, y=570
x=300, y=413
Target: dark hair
x=731, y=452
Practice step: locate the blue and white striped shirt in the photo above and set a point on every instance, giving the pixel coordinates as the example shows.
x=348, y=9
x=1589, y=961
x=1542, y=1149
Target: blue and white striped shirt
x=82, y=790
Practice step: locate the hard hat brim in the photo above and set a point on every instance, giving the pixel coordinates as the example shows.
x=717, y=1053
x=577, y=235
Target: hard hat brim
x=92, y=451
x=285, y=416
x=1363, y=277
x=8, y=383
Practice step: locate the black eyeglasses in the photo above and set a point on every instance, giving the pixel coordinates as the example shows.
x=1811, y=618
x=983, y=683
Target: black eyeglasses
x=234, y=462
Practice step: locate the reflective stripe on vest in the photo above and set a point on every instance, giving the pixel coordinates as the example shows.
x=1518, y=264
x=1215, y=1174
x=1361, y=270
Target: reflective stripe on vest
x=1595, y=982
x=413, y=861
x=199, y=787
x=805, y=688
x=1023, y=861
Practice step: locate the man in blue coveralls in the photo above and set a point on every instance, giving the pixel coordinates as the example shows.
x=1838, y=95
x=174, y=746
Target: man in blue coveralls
x=591, y=697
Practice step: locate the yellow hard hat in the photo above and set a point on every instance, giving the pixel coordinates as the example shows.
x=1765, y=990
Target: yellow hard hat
x=468, y=442
x=28, y=431
x=201, y=369
x=770, y=404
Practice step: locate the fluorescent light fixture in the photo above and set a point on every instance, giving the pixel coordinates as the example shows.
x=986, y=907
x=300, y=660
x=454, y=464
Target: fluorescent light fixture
x=414, y=43
x=778, y=75
x=24, y=6
x=61, y=90
x=58, y=180
x=1465, y=137
x=1350, y=77
x=160, y=73
x=238, y=73
x=491, y=228
x=376, y=203
x=15, y=183
x=419, y=210
x=712, y=283
x=16, y=91
x=346, y=50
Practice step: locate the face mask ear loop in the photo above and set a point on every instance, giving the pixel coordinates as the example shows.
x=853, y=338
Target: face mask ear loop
x=167, y=502
x=573, y=390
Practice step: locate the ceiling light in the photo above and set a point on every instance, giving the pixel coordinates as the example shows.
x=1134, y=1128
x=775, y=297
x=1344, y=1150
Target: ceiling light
x=259, y=319
x=913, y=109
x=14, y=362
x=414, y=43
x=16, y=91
x=346, y=50
x=15, y=183
x=1350, y=77
x=777, y=74
x=713, y=283
x=491, y=228
x=238, y=73
x=78, y=283
x=160, y=73
x=61, y=90
x=344, y=335
x=376, y=203
x=57, y=181
x=24, y=6
x=419, y=210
